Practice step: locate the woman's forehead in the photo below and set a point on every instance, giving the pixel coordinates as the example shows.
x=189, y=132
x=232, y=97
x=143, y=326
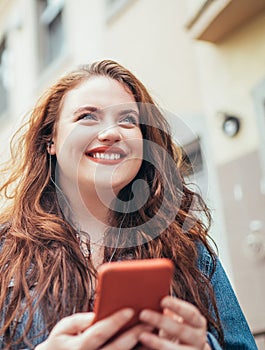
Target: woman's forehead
x=100, y=92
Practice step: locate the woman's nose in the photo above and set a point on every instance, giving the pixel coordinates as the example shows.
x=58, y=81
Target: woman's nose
x=110, y=134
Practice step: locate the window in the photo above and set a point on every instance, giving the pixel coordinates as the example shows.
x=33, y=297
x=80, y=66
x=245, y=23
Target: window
x=50, y=30
x=3, y=76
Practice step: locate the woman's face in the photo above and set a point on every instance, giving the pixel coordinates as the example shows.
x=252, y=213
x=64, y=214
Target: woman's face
x=98, y=142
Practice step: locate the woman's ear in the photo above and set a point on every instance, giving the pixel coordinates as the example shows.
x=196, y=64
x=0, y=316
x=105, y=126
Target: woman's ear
x=51, y=148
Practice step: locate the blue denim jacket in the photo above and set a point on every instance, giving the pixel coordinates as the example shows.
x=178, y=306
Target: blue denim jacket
x=237, y=334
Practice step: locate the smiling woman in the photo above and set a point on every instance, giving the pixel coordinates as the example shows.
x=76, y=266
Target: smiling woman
x=98, y=144
x=96, y=178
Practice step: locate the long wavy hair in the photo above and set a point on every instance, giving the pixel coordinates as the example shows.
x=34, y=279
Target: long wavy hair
x=40, y=251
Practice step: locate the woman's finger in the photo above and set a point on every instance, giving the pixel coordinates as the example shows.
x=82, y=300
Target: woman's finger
x=186, y=310
x=176, y=318
x=73, y=324
x=173, y=330
x=152, y=341
x=99, y=333
x=129, y=339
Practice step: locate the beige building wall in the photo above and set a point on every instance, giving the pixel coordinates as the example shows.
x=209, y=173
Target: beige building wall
x=150, y=38
x=229, y=71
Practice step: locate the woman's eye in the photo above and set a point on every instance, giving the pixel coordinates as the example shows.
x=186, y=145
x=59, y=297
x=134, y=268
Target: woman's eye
x=87, y=116
x=129, y=119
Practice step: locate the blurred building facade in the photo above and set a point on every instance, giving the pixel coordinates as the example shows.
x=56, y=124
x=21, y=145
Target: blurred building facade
x=202, y=60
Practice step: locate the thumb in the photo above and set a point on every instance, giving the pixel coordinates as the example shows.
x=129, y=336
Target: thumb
x=73, y=324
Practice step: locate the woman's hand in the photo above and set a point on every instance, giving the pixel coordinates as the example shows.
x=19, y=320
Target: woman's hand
x=181, y=326
x=76, y=333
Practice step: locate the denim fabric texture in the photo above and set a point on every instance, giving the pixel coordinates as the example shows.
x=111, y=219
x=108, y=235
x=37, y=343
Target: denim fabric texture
x=237, y=335
x=236, y=330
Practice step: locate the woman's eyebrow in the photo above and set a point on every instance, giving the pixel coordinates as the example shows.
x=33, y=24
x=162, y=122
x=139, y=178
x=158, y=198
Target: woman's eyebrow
x=128, y=111
x=86, y=108
x=99, y=110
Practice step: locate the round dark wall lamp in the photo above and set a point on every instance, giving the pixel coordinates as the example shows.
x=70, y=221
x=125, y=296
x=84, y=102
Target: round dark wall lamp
x=231, y=125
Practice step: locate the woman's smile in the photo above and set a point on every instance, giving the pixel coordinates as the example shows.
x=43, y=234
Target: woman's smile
x=106, y=155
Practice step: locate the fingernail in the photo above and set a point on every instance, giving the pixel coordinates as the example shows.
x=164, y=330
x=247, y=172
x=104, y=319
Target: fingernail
x=144, y=315
x=128, y=313
x=166, y=302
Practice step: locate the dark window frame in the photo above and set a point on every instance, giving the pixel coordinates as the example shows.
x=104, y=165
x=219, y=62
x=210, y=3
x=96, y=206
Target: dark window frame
x=50, y=31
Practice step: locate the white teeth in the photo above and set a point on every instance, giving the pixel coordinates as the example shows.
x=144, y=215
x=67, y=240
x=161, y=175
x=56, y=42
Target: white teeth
x=108, y=156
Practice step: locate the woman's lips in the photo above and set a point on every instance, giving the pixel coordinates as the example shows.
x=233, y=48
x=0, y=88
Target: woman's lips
x=106, y=155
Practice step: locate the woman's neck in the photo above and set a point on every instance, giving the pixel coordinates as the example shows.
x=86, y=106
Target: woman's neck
x=87, y=213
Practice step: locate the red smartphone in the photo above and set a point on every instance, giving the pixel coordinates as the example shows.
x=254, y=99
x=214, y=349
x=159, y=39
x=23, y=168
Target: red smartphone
x=137, y=284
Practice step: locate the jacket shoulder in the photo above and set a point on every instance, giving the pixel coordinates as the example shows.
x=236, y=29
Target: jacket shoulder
x=206, y=260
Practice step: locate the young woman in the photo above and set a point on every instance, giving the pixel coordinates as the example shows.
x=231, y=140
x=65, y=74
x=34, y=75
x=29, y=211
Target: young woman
x=96, y=178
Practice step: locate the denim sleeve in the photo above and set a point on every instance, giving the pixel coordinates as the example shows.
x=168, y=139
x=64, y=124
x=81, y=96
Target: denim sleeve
x=213, y=342
x=35, y=335
x=237, y=334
